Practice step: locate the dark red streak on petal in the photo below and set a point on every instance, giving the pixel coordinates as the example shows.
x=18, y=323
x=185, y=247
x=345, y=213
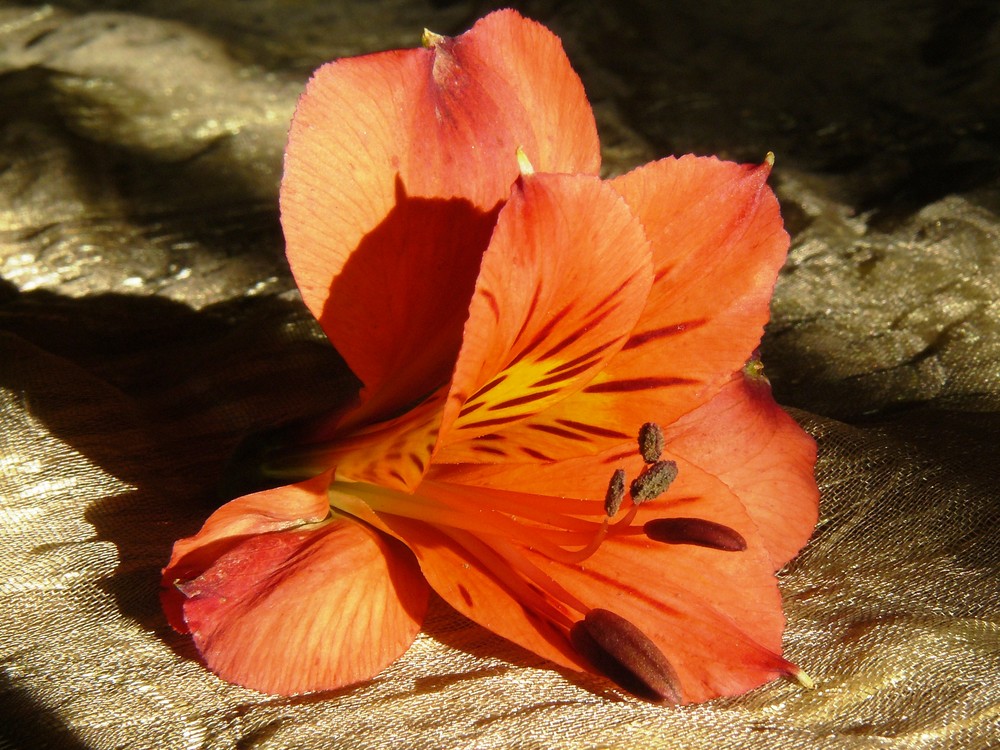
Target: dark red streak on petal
x=495, y=421
x=637, y=384
x=593, y=429
x=563, y=376
x=543, y=334
x=535, y=454
x=489, y=449
x=469, y=408
x=531, y=311
x=658, y=333
x=558, y=431
x=573, y=337
x=581, y=359
x=492, y=300
x=617, y=457
x=521, y=400
x=490, y=386
x=417, y=461
x=611, y=296
x=465, y=594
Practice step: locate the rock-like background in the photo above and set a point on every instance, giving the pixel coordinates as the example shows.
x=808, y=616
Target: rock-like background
x=148, y=320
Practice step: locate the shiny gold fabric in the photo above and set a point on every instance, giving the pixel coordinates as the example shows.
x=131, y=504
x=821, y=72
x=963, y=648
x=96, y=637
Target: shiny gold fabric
x=148, y=320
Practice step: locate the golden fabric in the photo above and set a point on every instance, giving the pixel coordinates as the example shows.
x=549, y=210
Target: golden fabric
x=147, y=321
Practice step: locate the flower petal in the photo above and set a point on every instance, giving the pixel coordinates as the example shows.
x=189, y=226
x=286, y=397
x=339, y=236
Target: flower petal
x=259, y=513
x=395, y=163
x=463, y=580
x=561, y=287
x=745, y=439
x=715, y=614
x=393, y=453
x=317, y=607
x=718, y=243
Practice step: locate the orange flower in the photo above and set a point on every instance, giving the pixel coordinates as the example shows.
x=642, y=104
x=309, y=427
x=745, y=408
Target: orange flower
x=514, y=321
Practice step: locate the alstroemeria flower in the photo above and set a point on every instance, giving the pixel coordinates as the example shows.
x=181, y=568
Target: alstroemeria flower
x=515, y=321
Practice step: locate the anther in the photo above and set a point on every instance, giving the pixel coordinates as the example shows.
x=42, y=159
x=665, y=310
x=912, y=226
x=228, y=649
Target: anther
x=650, y=442
x=695, y=531
x=653, y=481
x=616, y=493
x=624, y=654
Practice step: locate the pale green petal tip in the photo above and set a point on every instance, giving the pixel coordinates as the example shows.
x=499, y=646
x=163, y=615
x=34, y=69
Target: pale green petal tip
x=754, y=370
x=769, y=158
x=523, y=163
x=430, y=40
x=803, y=679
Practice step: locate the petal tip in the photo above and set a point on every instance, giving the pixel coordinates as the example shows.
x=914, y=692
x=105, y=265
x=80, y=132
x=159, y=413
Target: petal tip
x=803, y=679
x=430, y=40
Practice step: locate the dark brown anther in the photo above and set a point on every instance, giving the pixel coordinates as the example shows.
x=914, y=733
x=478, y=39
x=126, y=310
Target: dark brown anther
x=651, y=442
x=696, y=531
x=624, y=654
x=653, y=481
x=616, y=493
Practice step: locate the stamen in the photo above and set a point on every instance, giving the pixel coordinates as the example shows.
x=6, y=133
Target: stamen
x=501, y=516
x=695, y=531
x=622, y=526
x=514, y=571
x=626, y=655
x=651, y=442
x=653, y=481
x=615, y=494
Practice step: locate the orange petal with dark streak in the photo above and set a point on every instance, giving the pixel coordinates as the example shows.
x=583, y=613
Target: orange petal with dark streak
x=718, y=243
x=561, y=288
x=466, y=583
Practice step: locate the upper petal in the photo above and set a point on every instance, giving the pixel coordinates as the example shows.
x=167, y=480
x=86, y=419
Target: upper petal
x=395, y=162
x=746, y=440
x=316, y=607
x=561, y=287
x=718, y=243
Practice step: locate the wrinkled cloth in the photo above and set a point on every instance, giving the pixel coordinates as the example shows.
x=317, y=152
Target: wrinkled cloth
x=148, y=322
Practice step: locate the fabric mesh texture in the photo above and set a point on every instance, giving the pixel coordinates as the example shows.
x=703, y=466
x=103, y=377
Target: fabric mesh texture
x=148, y=321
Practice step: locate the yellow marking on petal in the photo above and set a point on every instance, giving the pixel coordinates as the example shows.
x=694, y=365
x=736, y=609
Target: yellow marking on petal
x=523, y=162
x=520, y=391
x=769, y=158
x=394, y=454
